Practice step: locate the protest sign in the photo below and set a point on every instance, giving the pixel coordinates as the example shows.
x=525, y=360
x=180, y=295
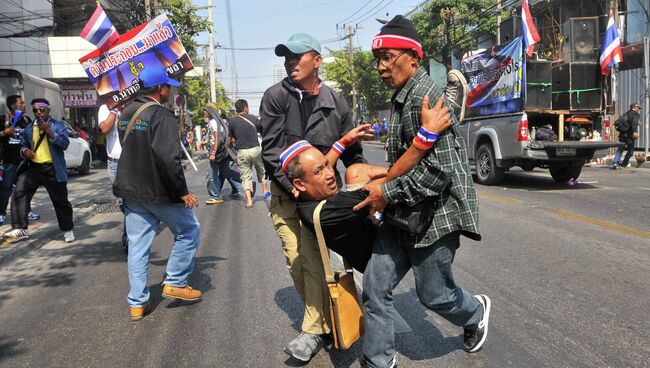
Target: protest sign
x=115, y=72
x=495, y=79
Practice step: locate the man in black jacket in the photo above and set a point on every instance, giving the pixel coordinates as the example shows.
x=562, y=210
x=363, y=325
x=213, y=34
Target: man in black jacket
x=302, y=107
x=14, y=124
x=627, y=136
x=151, y=182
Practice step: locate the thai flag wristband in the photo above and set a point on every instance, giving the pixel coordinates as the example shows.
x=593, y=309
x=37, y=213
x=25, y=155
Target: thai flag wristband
x=427, y=136
x=422, y=144
x=338, y=147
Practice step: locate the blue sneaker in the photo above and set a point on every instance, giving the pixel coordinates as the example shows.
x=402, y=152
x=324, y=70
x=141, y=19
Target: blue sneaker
x=2, y=219
x=33, y=216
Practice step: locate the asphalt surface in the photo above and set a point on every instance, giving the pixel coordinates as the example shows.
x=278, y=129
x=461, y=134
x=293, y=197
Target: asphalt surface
x=566, y=269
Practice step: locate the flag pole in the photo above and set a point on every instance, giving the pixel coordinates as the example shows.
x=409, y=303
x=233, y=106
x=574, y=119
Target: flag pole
x=189, y=158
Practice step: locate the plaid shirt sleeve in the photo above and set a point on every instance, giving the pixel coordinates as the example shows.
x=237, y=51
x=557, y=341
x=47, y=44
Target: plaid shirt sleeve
x=433, y=174
x=442, y=174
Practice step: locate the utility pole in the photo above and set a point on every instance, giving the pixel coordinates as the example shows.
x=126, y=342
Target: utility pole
x=147, y=9
x=646, y=65
x=213, y=83
x=498, y=22
x=354, y=87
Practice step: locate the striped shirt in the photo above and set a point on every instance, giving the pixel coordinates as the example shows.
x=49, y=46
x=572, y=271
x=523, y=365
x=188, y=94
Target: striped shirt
x=442, y=176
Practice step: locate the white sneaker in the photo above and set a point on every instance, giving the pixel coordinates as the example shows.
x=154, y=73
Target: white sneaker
x=17, y=234
x=68, y=237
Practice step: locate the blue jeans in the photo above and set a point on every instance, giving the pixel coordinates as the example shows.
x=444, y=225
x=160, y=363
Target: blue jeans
x=629, y=146
x=434, y=284
x=7, y=186
x=142, y=220
x=219, y=171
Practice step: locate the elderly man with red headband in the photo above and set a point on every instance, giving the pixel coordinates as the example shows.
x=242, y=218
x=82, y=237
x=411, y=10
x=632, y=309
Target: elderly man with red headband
x=441, y=180
x=43, y=143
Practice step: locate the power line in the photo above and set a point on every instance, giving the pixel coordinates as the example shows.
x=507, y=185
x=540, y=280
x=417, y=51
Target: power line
x=369, y=11
x=373, y=14
x=353, y=14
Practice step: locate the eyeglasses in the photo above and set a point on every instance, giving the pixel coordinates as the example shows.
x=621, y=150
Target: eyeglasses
x=39, y=109
x=387, y=60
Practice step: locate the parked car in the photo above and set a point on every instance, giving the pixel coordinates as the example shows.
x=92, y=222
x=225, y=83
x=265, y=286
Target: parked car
x=78, y=155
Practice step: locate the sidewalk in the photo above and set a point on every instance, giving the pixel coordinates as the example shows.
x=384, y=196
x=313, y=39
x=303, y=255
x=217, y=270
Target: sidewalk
x=89, y=195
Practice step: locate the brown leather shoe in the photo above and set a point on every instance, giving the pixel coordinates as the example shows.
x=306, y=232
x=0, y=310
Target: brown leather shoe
x=138, y=312
x=181, y=292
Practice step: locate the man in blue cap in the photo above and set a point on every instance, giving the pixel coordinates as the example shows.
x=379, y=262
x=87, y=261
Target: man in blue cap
x=302, y=107
x=151, y=182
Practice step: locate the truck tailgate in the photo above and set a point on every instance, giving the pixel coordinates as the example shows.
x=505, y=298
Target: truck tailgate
x=567, y=150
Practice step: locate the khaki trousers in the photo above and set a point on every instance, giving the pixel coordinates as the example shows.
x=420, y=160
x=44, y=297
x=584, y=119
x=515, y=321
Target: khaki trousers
x=248, y=158
x=303, y=261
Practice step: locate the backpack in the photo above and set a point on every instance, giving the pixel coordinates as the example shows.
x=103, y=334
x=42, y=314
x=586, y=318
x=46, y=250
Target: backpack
x=622, y=124
x=225, y=149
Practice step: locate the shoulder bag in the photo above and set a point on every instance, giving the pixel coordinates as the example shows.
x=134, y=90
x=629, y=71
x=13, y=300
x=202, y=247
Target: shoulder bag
x=415, y=219
x=139, y=111
x=345, y=310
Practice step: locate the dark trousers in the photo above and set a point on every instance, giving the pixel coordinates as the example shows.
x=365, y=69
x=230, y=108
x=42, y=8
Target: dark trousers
x=6, y=186
x=27, y=184
x=629, y=146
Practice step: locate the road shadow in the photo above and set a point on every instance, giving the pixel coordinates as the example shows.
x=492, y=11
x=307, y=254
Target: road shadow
x=9, y=348
x=61, y=260
x=426, y=341
x=533, y=183
x=291, y=304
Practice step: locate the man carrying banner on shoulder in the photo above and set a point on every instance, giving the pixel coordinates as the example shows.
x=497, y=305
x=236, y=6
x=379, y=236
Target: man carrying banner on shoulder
x=151, y=182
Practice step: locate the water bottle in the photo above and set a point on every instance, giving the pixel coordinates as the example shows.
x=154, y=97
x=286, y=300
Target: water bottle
x=267, y=200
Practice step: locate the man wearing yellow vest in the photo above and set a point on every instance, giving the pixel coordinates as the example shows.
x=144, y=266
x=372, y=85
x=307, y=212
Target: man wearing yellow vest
x=42, y=146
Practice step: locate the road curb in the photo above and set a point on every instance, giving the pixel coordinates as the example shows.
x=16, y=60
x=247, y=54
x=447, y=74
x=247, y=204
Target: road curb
x=10, y=251
x=373, y=144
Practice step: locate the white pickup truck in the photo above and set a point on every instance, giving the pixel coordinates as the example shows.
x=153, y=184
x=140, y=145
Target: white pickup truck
x=497, y=143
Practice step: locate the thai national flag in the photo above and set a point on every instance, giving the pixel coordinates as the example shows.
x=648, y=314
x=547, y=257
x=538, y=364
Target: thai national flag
x=99, y=30
x=611, y=53
x=530, y=32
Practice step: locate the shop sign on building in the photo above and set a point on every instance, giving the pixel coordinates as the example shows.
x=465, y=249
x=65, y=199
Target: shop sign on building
x=80, y=96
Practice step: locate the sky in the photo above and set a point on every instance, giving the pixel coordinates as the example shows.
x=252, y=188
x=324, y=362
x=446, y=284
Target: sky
x=264, y=24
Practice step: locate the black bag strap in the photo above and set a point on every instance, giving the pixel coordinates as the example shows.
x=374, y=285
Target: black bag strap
x=139, y=111
x=40, y=140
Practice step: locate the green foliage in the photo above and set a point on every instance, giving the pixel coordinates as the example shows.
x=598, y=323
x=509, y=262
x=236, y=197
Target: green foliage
x=371, y=92
x=198, y=92
x=446, y=27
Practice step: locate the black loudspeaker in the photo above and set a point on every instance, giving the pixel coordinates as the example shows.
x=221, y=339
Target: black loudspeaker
x=577, y=86
x=511, y=28
x=581, y=40
x=538, y=85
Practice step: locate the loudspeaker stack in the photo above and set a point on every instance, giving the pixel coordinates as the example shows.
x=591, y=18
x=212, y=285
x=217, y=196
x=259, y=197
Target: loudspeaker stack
x=577, y=82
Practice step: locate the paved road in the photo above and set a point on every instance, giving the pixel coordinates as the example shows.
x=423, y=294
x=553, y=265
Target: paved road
x=566, y=269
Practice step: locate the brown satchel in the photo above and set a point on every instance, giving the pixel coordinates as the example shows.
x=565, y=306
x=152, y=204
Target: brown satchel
x=345, y=310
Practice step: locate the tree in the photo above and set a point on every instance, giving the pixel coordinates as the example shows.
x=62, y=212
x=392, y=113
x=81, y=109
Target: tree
x=446, y=27
x=372, y=92
x=198, y=92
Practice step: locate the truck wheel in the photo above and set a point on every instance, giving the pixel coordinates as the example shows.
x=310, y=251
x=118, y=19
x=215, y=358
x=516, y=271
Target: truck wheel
x=487, y=171
x=562, y=171
x=84, y=168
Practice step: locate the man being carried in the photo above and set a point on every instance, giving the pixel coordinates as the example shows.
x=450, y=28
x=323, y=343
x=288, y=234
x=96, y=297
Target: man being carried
x=350, y=233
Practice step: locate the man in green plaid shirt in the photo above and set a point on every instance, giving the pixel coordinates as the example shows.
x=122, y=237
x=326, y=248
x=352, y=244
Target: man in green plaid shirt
x=442, y=178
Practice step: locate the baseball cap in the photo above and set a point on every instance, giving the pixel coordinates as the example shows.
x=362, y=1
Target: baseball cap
x=634, y=105
x=155, y=76
x=298, y=43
